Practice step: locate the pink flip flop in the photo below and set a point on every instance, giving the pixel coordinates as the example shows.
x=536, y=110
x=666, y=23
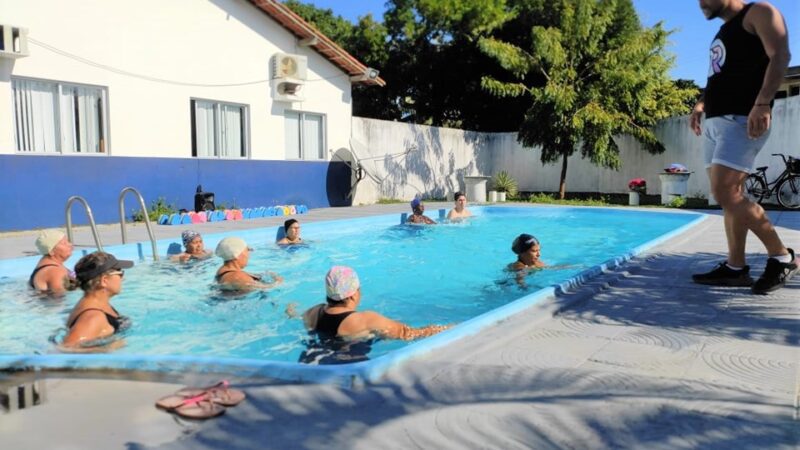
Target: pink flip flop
x=196, y=407
x=219, y=393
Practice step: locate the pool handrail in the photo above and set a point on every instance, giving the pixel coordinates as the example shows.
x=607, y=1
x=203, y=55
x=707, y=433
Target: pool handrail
x=144, y=213
x=92, y=225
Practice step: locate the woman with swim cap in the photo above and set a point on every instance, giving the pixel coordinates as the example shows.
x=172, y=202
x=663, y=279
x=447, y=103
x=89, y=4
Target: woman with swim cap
x=194, y=247
x=528, y=251
x=231, y=276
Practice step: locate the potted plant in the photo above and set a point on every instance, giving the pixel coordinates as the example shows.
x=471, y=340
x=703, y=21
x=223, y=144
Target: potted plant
x=637, y=187
x=504, y=184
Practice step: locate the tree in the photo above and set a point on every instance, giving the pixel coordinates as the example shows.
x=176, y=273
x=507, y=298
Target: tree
x=367, y=40
x=592, y=74
x=690, y=85
x=427, y=52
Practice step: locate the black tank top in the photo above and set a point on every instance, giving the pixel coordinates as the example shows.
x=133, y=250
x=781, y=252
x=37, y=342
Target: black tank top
x=115, y=322
x=219, y=276
x=736, y=70
x=36, y=270
x=328, y=324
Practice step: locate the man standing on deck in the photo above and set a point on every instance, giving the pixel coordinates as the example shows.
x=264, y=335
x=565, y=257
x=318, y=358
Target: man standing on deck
x=749, y=56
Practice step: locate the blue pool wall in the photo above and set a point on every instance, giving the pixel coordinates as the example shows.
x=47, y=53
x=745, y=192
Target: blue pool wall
x=347, y=375
x=34, y=188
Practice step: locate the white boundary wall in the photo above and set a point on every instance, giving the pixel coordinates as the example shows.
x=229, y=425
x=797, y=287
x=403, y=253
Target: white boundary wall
x=445, y=155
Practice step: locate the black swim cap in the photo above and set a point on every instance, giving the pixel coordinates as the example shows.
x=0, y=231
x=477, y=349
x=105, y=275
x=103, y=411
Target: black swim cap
x=523, y=243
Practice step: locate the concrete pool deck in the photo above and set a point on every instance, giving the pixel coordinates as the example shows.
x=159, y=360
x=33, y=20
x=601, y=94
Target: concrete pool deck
x=638, y=357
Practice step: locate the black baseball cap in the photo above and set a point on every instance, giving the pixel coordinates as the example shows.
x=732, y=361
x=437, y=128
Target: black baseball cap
x=98, y=263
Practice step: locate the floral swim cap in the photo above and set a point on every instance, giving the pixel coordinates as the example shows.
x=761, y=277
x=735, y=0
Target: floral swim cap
x=341, y=282
x=188, y=236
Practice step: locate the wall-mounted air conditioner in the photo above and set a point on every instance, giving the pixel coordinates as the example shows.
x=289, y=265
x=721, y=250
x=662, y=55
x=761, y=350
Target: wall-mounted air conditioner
x=285, y=65
x=288, y=77
x=13, y=41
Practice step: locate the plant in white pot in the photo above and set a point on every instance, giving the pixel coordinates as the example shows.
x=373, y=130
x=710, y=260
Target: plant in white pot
x=637, y=187
x=504, y=184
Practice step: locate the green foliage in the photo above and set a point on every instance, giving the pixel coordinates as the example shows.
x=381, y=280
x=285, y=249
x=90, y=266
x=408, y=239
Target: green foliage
x=157, y=208
x=551, y=199
x=677, y=202
x=389, y=201
x=503, y=182
x=591, y=74
x=691, y=86
x=426, y=51
x=584, y=65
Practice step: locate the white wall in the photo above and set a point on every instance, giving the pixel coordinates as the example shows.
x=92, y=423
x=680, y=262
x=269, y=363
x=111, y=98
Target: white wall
x=446, y=155
x=442, y=158
x=682, y=146
x=194, y=41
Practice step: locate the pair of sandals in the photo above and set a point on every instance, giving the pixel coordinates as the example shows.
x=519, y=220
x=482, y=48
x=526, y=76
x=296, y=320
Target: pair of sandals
x=201, y=403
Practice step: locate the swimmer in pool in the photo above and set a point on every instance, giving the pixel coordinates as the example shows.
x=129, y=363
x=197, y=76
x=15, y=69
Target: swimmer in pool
x=338, y=318
x=51, y=277
x=194, y=247
x=291, y=230
x=460, y=211
x=231, y=276
x=100, y=276
x=528, y=251
x=418, y=216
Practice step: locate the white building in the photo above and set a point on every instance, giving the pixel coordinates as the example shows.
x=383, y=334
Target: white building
x=196, y=79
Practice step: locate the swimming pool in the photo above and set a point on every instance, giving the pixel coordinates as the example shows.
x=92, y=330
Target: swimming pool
x=419, y=275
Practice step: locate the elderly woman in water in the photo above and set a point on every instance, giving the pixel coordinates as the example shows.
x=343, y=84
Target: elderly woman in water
x=338, y=316
x=194, y=247
x=51, y=276
x=93, y=318
x=231, y=276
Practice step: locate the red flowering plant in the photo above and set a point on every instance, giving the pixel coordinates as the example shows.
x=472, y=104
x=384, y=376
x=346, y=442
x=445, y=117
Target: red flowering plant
x=638, y=185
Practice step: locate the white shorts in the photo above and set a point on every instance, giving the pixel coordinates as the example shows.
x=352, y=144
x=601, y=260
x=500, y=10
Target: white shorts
x=726, y=143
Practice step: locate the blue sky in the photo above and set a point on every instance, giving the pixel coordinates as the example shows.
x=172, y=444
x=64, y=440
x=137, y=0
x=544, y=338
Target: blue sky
x=689, y=42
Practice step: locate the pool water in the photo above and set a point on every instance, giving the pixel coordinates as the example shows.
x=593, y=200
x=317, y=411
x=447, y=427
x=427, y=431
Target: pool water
x=418, y=275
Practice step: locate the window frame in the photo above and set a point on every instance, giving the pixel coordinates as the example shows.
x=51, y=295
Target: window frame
x=217, y=136
x=105, y=117
x=324, y=133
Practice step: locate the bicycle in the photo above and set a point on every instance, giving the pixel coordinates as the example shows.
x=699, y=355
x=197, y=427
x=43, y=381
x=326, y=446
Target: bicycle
x=787, y=185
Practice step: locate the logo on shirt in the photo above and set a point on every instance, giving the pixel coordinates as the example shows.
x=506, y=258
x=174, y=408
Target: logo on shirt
x=717, y=57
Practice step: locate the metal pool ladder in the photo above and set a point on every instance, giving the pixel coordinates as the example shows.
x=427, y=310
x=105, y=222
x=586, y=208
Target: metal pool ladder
x=144, y=213
x=71, y=200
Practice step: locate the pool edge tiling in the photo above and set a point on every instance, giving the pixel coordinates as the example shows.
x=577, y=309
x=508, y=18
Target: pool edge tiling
x=344, y=374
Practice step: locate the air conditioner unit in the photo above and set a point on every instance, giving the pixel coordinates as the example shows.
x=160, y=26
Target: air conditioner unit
x=285, y=65
x=13, y=41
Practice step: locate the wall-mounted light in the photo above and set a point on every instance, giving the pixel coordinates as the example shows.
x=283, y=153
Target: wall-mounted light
x=369, y=74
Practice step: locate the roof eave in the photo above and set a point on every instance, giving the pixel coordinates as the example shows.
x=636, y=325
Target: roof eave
x=318, y=41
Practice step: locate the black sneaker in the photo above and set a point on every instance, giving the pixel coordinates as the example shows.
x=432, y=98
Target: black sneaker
x=775, y=275
x=723, y=275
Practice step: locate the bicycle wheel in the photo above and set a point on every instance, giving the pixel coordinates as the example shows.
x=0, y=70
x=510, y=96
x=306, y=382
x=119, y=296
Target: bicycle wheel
x=754, y=188
x=789, y=192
